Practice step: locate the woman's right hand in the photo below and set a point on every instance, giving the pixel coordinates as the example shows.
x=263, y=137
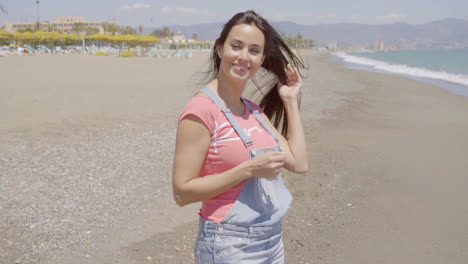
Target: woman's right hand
x=266, y=165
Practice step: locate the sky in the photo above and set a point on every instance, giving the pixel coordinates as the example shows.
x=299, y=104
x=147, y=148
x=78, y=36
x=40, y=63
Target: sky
x=152, y=13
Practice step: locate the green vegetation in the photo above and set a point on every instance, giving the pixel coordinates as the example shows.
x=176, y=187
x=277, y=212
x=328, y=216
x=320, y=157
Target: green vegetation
x=162, y=33
x=298, y=41
x=140, y=29
x=109, y=28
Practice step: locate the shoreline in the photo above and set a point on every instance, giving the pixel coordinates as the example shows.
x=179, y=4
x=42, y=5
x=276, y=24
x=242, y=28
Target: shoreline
x=97, y=151
x=456, y=83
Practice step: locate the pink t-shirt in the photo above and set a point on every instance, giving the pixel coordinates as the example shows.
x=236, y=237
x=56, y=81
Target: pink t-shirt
x=226, y=149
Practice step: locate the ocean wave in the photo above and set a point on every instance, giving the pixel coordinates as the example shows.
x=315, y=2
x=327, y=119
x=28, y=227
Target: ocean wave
x=404, y=69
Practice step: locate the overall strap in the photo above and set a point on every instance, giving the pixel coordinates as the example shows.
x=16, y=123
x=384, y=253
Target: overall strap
x=227, y=112
x=260, y=120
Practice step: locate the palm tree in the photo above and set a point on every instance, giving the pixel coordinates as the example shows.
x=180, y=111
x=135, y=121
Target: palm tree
x=91, y=31
x=300, y=39
x=113, y=28
x=37, y=26
x=50, y=27
x=127, y=30
x=3, y=9
x=162, y=33
x=105, y=27
x=78, y=28
x=140, y=28
x=166, y=32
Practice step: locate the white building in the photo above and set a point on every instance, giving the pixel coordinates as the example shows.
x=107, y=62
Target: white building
x=64, y=24
x=179, y=37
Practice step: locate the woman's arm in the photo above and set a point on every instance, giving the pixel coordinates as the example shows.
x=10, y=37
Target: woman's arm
x=295, y=146
x=192, y=143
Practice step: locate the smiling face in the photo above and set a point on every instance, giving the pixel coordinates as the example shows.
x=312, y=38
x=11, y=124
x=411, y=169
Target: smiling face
x=242, y=53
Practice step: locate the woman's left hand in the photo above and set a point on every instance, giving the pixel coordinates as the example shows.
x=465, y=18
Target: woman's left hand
x=293, y=87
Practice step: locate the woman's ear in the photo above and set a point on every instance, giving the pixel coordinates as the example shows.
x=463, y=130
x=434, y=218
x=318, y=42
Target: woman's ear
x=220, y=50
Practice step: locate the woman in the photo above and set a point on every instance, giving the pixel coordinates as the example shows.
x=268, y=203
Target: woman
x=229, y=155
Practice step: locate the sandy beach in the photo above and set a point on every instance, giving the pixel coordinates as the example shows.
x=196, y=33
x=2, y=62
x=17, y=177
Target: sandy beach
x=86, y=152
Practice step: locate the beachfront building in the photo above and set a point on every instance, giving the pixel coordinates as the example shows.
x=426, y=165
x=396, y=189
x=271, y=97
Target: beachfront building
x=178, y=41
x=179, y=37
x=64, y=24
x=377, y=45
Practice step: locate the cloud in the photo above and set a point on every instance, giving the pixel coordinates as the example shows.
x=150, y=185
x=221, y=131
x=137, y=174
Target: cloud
x=185, y=11
x=135, y=6
x=392, y=17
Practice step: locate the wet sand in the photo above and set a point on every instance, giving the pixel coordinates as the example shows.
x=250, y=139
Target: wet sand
x=87, y=145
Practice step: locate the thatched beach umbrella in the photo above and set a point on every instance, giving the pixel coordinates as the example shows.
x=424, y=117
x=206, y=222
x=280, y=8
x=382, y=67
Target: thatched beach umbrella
x=62, y=38
x=72, y=38
x=16, y=37
x=148, y=39
x=5, y=35
x=38, y=37
x=95, y=37
x=28, y=37
x=51, y=38
x=145, y=40
x=130, y=39
x=117, y=38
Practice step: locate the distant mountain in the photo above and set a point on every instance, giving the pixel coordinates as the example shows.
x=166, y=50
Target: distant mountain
x=448, y=32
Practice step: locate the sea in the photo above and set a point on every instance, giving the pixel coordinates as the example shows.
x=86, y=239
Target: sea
x=446, y=68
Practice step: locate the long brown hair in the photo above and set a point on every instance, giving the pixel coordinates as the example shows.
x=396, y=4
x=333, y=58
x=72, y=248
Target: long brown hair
x=277, y=56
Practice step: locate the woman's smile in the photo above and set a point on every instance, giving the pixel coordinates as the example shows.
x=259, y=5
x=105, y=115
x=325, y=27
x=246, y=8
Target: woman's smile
x=242, y=69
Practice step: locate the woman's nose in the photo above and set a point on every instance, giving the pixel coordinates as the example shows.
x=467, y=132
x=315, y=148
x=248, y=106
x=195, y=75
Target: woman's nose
x=244, y=54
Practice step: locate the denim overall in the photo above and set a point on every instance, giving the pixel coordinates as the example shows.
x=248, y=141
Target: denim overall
x=252, y=230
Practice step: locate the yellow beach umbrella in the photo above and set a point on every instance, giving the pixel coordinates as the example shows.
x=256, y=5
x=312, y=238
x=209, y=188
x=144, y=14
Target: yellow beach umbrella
x=93, y=37
x=5, y=34
x=118, y=38
x=75, y=37
x=25, y=36
x=108, y=38
x=62, y=37
x=130, y=39
x=53, y=36
x=151, y=39
x=39, y=36
x=28, y=37
x=17, y=36
x=101, y=37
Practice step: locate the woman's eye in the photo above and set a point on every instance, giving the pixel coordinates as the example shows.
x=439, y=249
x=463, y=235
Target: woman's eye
x=235, y=46
x=255, y=51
